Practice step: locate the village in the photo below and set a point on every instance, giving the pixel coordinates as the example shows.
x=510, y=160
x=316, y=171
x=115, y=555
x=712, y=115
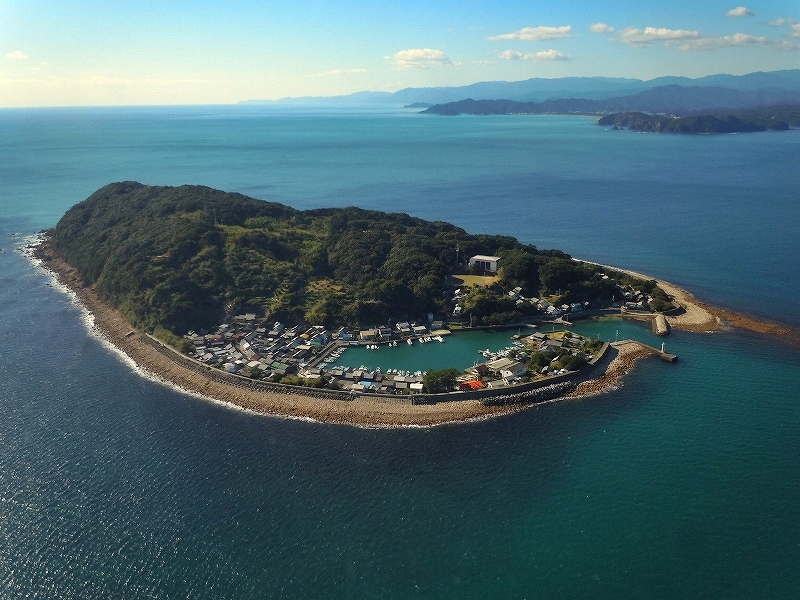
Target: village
x=250, y=348
x=307, y=357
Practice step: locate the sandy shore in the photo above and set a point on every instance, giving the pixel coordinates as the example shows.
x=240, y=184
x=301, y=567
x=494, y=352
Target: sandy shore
x=112, y=325
x=701, y=317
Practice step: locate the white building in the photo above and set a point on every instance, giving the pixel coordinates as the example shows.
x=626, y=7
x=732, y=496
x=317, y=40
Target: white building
x=484, y=263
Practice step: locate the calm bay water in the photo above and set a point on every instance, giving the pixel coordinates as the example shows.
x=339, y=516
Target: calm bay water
x=684, y=483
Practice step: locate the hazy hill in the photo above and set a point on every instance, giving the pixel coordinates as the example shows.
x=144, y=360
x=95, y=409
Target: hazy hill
x=540, y=89
x=671, y=99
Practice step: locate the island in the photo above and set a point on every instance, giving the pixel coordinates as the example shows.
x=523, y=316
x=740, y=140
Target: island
x=656, y=120
x=243, y=301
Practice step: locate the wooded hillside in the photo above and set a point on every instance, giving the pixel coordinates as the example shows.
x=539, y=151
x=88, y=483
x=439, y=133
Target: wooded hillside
x=185, y=257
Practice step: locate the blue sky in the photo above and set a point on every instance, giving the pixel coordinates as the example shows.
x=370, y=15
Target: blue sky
x=80, y=52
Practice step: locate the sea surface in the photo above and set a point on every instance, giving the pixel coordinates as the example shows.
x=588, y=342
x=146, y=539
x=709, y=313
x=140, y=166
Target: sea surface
x=682, y=483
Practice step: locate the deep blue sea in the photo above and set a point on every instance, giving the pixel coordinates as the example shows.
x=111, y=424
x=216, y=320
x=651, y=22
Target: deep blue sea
x=683, y=483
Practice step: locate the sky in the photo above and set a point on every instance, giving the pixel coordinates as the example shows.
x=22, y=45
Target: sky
x=124, y=52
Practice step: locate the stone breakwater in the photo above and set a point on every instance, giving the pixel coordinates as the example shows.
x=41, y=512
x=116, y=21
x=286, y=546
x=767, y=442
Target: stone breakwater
x=536, y=396
x=628, y=353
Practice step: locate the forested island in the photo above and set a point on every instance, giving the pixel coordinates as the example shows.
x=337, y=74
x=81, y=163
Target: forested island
x=173, y=259
x=774, y=118
x=236, y=299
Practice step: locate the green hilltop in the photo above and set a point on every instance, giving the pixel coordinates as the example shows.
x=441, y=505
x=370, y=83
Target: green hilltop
x=187, y=257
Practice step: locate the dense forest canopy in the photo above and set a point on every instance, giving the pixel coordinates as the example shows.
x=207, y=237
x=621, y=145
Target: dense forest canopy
x=185, y=257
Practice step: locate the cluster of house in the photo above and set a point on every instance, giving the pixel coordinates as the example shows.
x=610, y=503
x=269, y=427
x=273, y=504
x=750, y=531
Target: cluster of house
x=635, y=300
x=244, y=347
x=516, y=295
x=572, y=343
x=506, y=368
x=402, y=330
x=373, y=382
x=544, y=306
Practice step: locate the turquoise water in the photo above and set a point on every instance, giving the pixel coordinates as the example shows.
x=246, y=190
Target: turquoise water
x=462, y=349
x=683, y=483
x=459, y=351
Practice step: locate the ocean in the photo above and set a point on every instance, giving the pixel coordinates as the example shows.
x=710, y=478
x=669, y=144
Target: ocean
x=682, y=483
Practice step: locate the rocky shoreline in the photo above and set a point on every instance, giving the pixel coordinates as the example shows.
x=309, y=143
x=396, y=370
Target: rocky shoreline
x=111, y=325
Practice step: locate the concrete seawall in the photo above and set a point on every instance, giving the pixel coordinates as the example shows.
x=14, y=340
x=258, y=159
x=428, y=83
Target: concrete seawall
x=553, y=386
x=660, y=325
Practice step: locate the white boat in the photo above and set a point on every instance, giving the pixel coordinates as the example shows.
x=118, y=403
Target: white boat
x=409, y=342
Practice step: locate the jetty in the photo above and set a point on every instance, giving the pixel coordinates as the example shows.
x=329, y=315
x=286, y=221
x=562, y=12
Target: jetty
x=663, y=355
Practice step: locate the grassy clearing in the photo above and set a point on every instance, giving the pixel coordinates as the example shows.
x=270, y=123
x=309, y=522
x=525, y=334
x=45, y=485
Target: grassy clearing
x=464, y=280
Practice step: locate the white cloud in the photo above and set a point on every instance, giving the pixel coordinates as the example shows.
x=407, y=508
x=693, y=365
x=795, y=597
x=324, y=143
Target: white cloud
x=340, y=72
x=687, y=40
x=17, y=55
x=650, y=35
x=727, y=41
x=740, y=11
x=545, y=55
x=781, y=21
x=601, y=28
x=483, y=63
x=511, y=55
x=535, y=34
x=419, y=58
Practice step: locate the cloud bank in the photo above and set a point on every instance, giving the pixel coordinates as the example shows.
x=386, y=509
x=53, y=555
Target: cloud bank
x=650, y=35
x=418, y=58
x=535, y=34
x=535, y=56
x=689, y=40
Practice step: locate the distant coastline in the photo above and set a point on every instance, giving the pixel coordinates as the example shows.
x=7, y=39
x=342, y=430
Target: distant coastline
x=641, y=117
x=367, y=410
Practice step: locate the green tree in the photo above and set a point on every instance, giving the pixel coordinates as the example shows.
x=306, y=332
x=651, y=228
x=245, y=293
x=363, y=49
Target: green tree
x=538, y=361
x=571, y=362
x=436, y=381
x=520, y=268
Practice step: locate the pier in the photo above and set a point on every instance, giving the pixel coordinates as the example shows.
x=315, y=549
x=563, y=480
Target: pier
x=665, y=356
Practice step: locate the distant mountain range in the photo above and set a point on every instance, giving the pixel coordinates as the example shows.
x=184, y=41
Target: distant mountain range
x=713, y=91
x=671, y=99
